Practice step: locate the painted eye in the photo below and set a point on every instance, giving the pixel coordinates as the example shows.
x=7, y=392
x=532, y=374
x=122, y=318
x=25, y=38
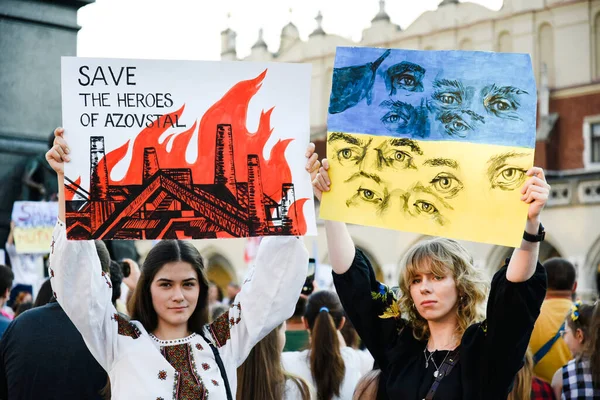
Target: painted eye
x=400, y=156
x=391, y=118
x=415, y=281
x=405, y=80
x=501, y=105
x=438, y=278
x=396, y=159
x=345, y=154
x=509, y=178
x=369, y=195
x=423, y=206
x=459, y=126
x=447, y=184
x=448, y=98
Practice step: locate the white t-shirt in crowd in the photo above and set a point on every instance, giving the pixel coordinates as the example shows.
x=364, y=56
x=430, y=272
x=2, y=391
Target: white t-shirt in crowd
x=357, y=364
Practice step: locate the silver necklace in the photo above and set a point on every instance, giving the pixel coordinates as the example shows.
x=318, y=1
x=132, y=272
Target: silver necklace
x=436, y=373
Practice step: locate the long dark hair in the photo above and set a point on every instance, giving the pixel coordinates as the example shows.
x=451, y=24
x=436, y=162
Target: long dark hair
x=165, y=252
x=324, y=314
x=262, y=376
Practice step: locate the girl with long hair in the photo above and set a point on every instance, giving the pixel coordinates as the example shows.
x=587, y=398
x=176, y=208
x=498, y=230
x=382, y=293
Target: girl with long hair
x=330, y=366
x=434, y=341
x=262, y=375
x=168, y=350
x=580, y=377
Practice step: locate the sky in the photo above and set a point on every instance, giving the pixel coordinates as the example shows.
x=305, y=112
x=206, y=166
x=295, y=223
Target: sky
x=190, y=29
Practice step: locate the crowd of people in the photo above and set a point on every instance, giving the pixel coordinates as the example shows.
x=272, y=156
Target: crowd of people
x=445, y=332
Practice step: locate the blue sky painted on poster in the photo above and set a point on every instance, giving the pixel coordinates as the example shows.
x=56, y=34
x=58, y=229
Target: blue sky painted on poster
x=479, y=97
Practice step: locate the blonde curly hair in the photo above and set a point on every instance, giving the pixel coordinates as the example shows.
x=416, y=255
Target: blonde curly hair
x=439, y=255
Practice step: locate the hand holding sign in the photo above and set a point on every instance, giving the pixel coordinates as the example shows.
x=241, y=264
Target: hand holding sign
x=58, y=154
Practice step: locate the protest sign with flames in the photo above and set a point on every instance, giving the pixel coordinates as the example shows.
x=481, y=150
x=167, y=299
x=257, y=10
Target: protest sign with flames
x=184, y=149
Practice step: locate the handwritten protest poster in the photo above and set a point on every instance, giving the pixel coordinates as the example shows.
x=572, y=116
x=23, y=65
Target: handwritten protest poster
x=33, y=225
x=433, y=142
x=186, y=149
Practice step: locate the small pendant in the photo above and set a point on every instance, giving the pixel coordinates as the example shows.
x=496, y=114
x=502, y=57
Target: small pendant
x=436, y=373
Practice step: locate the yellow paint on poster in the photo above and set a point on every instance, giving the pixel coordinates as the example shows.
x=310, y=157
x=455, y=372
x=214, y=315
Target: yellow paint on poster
x=33, y=240
x=459, y=190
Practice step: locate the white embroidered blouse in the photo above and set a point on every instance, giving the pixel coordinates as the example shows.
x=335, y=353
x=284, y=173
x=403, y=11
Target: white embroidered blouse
x=140, y=365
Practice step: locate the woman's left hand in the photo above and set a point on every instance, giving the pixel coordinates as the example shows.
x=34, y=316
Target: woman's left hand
x=535, y=192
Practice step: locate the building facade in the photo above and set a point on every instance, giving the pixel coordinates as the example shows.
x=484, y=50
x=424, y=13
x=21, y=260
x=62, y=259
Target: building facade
x=563, y=39
x=34, y=34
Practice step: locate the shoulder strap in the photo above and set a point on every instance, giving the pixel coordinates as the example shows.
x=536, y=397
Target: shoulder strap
x=445, y=369
x=220, y=365
x=547, y=346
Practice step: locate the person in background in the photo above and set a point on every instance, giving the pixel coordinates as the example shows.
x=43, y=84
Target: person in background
x=44, y=295
x=6, y=281
x=296, y=335
x=44, y=357
x=367, y=386
x=39, y=180
x=28, y=268
x=331, y=367
x=232, y=290
x=350, y=335
x=22, y=297
x=23, y=307
x=550, y=352
x=530, y=387
x=262, y=375
x=116, y=278
x=579, y=378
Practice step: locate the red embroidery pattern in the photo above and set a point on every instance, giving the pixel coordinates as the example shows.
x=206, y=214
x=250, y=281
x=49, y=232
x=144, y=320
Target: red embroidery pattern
x=126, y=328
x=188, y=384
x=51, y=272
x=205, y=366
x=215, y=382
x=106, y=279
x=199, y=346
x=52, y=245
x=221, y=327
x=54, y=294
x=162, y=375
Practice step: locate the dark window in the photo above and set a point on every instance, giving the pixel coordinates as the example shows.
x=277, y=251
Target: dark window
x=595, y=142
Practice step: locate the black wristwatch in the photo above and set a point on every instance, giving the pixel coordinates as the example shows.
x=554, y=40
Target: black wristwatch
x=535, y=238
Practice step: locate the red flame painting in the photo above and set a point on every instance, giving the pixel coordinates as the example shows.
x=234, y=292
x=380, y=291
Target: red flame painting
x=231, y=190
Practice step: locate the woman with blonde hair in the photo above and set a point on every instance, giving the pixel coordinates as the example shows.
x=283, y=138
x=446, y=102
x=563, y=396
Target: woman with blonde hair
x=530, y=387
x=443, y=348
x=262, y=375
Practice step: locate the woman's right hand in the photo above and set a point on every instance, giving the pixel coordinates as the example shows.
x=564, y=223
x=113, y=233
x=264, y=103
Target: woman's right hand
x=58, y=154
x=318, y=172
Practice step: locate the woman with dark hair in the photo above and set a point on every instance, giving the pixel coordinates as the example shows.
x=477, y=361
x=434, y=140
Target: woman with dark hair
x=262, y=375
x=330, y=366
x=168, y=350
x=44, y=294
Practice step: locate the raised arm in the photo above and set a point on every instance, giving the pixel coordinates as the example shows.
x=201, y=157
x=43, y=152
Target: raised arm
x=268, y=297
x=524, y=259
x=364, y=299
x=339, y=243
x=81, y=288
